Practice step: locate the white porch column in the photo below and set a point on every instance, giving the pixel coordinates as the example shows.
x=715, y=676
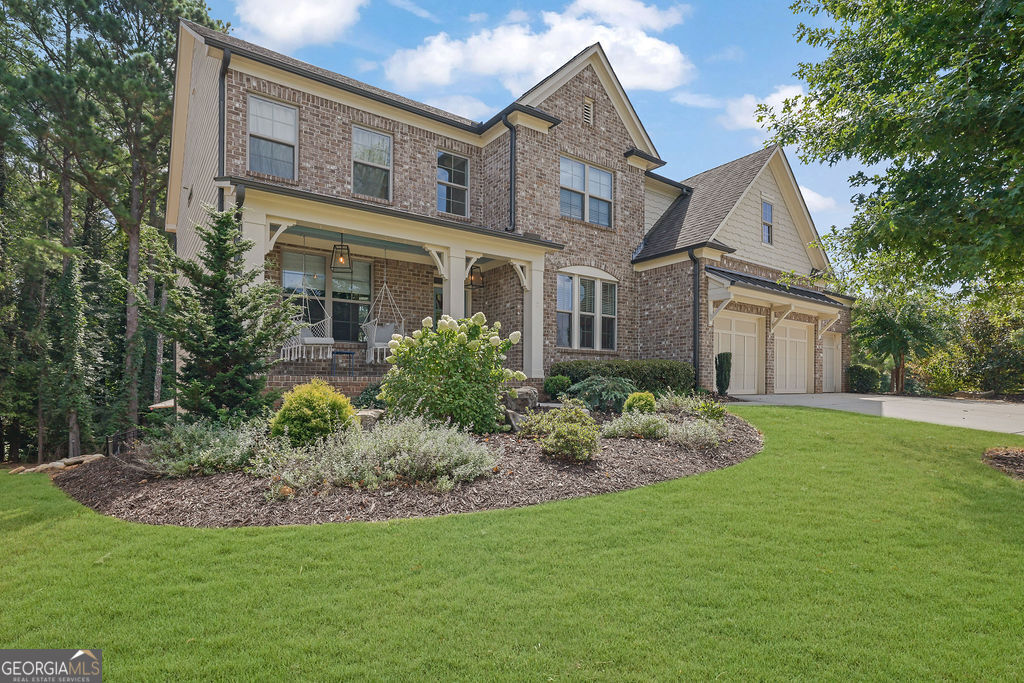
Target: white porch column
x=254, y=229
x=533, y=318
x=455, y=283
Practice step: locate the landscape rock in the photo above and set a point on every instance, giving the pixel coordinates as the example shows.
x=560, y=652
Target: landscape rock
x=526, y=399
x=76, y=460
x=368, y=417
x=20, y=468
x=514, y=420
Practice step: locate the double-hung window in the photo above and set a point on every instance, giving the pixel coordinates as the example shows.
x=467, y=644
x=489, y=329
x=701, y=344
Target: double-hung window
x=452, y=183
x=766, y=222
x=586, y=313
x=585, y=193
x=347, y=298
x=273, y=133
x=371, y=163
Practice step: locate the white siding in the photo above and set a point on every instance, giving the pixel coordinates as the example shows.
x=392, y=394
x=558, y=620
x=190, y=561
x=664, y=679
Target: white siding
x=201, y=140
x=657, y=199
x=742, y=230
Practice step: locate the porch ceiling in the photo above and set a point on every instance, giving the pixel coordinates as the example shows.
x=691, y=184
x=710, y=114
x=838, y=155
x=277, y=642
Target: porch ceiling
x=331, y=237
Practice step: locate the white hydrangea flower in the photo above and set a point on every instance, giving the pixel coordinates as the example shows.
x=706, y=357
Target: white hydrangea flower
x=412, y=342
x=428, y=322
x=479, y=318
x=462, y=337
x=497, y=324
x=495, y=340
x=474, y=345
x=390, y=359
x=417, y=334
x=520, y=375
x=515, y=337
x=396, y=337
x=394, y=343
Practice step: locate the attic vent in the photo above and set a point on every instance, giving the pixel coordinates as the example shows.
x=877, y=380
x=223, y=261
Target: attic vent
x=588, y=111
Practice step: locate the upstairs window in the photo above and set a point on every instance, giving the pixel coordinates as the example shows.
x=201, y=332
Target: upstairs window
x=371, y=163
x=272, y=137
x=766, y=222
x=586, y=315
x=452, y=183
x=586, y=192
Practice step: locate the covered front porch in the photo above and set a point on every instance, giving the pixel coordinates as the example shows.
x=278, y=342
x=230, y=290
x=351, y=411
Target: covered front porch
x=401, y=268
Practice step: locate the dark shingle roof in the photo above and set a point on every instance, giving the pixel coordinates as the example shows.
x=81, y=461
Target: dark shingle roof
x=693, y=217
x=244, y=47
x=772, y=286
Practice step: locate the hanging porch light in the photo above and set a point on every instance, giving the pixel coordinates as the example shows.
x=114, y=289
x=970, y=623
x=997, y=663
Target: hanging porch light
x=341, y=258
x=476, y=278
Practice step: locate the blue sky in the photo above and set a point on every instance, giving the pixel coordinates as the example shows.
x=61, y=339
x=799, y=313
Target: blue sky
x=693, y=71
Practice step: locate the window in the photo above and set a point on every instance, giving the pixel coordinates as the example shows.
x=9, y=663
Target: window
x=272, y=137
x=348, y=298
x=586, y=313
x=766, y=222
x=452, y=183
x=586, y=192
x=371, y=163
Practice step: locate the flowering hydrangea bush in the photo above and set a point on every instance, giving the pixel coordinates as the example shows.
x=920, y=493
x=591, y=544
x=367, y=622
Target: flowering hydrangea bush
x=452, y=373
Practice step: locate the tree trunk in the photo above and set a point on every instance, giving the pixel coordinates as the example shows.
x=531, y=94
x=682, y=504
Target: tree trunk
x=67, y=241
x=158, y=374
x=133, y=231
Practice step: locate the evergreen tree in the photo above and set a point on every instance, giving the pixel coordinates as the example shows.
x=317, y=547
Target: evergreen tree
x=227, y=326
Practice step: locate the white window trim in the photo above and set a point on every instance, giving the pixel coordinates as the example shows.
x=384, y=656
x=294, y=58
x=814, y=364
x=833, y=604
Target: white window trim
x=329, y=298
x=598, y=314
x=389, y=168
x=771, y=223
x=249, y=134
x=586, y=192
x=455, y=185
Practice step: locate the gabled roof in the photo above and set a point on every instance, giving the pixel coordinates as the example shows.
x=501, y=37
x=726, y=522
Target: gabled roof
x=595, y=57
x=694, y=217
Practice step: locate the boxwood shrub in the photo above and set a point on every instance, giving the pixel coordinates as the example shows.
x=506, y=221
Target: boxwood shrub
x=654, y=375
x=863, y=379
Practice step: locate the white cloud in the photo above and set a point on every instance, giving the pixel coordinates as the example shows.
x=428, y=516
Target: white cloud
x=516, y=16
x=364, y=65
x=477, y=17
x=730, y=53
x=741, y=112
x=696, y=99
x=463, y=105
x=412, y=8
x=519, y=56
x=284, y=25
x=818, y=202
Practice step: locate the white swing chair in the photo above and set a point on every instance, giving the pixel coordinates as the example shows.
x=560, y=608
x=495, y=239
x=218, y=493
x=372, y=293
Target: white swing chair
x=383, y=320
x=314, y=340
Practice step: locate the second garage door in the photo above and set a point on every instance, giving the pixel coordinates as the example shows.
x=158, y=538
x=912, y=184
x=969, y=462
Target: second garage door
x=738, y=335
x=791, y=358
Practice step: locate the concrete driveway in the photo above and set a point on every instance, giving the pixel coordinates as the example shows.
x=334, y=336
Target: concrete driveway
x=994, y=416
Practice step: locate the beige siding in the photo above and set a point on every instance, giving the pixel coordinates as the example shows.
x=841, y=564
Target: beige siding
x=201, y=135
x=657, y=199
x=742, y=230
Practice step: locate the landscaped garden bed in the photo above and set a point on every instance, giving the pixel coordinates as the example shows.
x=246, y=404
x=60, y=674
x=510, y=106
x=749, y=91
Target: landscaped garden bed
x=1008, y=460
x=126, y=488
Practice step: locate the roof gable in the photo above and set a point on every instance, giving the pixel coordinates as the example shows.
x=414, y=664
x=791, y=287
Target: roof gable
x=595, y=57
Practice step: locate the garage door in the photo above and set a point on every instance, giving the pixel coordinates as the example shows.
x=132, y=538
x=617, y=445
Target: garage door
x=791, y=359
x=831, y=358
x=739, y=336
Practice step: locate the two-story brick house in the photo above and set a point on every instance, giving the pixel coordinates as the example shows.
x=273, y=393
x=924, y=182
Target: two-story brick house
x=549, y=217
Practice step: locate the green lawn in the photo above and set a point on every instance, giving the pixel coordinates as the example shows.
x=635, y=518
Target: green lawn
x=852, y=546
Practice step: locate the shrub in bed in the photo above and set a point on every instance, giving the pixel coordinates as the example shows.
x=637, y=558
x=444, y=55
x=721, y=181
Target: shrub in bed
x=572, y=411
x=556, y=385
x=654, y=375
x=636, y=425
x=453, y=373
x=571, y=441
x=312, y=411
x=696, y=434
x=603, y=393
x=204, y=447
x=863, y=379
x=698, y=406
x=408, y=449
x=640, y=402
x=370, y=397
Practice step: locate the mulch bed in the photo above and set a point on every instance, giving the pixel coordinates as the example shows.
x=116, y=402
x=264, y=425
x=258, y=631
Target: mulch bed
x=523, y=476
x=1008, y=460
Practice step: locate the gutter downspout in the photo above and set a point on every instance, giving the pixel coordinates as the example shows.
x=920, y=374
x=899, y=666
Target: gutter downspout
x=511, y=174
x=225, y=60
x=696, y=316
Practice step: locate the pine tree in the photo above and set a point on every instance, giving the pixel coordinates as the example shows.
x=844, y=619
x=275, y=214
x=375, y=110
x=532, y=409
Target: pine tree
x=227, y=326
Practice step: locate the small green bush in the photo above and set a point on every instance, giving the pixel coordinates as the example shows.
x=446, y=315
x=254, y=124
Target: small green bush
x=640, y=402
x=572, y=411
x=707, y=408
x=862, y=379
x=654, y=375
x=603, y=393
x=702, y=406
x=570, y=441
x=310, y=412
x=556, y=385
x=723, y=372
x=636, y=425
x=696, y=434
x=204, y=447
x=370, y=397
x=409, y=450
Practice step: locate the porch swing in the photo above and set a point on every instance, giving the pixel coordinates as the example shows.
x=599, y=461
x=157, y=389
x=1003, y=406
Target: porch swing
x=382, y=320
x=314, y=340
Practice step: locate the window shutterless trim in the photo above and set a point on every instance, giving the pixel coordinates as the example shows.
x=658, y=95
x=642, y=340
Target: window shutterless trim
x=389, y=168
x=597, y=313
x=587, y=167
x=249, y=134
x=770, y=224
x=465, y=187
